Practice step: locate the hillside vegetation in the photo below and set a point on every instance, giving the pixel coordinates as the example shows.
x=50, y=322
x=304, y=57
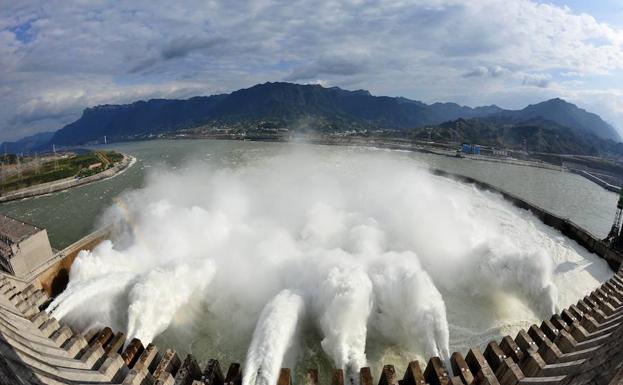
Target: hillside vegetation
x=534, y=135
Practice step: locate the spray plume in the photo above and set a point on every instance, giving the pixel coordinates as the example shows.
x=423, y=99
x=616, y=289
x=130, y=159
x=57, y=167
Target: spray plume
x=272, y=338
x=348, y=242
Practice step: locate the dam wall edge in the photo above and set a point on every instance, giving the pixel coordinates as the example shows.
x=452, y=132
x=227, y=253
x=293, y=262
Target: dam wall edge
x=581, y=345
x=599, y=181
x=567, y=227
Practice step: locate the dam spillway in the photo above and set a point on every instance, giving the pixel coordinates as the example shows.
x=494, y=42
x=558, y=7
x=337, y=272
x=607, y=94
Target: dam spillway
x=580, y=345
x=418, y=328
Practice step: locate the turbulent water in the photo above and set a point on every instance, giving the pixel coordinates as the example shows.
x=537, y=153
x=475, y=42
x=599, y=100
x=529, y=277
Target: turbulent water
x=306, y=259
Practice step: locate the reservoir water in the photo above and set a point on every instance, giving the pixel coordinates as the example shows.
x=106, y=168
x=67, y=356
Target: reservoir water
x=319, y=256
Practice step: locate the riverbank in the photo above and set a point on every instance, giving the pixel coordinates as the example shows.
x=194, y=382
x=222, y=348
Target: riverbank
x=448, y=150
x=434, y=150
x=67, y=183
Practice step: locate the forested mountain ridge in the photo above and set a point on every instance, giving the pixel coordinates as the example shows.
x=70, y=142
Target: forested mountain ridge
x=334, y=109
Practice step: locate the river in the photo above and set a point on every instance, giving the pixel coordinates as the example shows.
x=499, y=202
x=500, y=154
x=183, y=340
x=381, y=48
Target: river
x=239, y=244
x=71, y=214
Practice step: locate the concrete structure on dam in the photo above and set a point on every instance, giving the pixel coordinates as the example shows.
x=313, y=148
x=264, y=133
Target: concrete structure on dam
x=615, y=238
x=581, y=345
x=27, y=258
x=23, y=247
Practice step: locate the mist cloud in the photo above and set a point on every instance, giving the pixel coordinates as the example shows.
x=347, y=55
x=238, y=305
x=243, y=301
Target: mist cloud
x=348, y=244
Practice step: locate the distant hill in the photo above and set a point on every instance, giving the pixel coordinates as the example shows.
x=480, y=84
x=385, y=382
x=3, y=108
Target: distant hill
x=286, y=103
x=536, y=134
x=28, y=144
x=299, y=107
x=568, y=115
x=119, y=121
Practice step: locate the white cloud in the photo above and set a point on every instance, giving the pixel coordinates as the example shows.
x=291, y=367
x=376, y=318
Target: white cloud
x=482, y=71
x=57, y=57
x=538, y=80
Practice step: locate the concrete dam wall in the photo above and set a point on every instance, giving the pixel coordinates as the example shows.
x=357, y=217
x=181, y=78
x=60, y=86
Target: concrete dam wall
x=53, y=276
x=580, y=345
x=571, y=230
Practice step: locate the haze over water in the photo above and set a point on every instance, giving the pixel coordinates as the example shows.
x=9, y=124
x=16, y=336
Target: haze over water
x=365, y=258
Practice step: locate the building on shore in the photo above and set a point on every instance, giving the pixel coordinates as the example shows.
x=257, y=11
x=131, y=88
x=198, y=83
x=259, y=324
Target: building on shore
x=23, y=247
x=499, y=152
x=473, y=149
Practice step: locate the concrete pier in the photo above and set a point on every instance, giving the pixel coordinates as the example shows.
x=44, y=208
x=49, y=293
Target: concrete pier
x=37, y=267
x=132, y=352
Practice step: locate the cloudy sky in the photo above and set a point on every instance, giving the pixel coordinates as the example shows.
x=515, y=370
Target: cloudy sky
x=58, y=57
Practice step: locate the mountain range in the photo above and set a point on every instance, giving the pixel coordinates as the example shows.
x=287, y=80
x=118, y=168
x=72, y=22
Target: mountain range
x=328, y=109
x=28, y=144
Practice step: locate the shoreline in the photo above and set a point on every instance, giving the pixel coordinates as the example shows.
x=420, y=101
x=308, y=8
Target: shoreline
x=68, y=183
x=400, y=145
x=379, y=143
x=411, y=147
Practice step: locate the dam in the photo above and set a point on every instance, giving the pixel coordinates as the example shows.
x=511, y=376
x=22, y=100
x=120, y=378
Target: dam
x=311, y=193
x=579, y=345
x=79, y=302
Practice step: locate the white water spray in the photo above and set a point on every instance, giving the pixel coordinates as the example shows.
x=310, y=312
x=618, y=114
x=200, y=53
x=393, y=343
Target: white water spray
x=80, y=292
x=158, y=295
x=409, y=309
x=344, y=298
x=272, y=338
x=369, y=242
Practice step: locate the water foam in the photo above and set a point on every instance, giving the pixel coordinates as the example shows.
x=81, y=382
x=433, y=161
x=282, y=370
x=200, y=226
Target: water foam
x=409, y=308
x=272, y=338
x=157, y=296
x=344, y=299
